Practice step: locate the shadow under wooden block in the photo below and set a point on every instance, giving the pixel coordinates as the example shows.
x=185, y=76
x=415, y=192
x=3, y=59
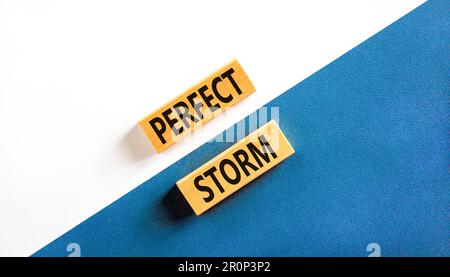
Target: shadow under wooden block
x=136, y=144
x=176, y=205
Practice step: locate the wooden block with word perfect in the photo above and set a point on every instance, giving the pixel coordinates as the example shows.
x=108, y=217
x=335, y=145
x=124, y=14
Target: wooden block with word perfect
x=197, y=105
x=235, y=167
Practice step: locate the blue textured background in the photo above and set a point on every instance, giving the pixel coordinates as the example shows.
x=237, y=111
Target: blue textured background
x=371, y=134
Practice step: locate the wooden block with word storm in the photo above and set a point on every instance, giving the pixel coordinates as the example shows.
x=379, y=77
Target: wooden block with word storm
x=197, y=105
x=235, y=167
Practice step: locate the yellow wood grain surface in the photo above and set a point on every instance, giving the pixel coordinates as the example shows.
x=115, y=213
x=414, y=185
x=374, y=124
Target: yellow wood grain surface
x=235, y=167
x=197, y=105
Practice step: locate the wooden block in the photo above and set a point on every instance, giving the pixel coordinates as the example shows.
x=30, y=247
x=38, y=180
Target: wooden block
x=235, y=167
x=197, y=105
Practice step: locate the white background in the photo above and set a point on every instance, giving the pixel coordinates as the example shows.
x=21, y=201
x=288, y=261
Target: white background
x=76, y=76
